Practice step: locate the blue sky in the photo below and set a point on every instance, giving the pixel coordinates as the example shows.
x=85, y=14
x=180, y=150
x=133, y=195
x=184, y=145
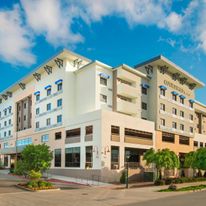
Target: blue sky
x=114, y=32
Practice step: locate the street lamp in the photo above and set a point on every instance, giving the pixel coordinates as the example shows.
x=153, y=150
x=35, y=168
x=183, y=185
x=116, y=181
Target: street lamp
x=127, y=171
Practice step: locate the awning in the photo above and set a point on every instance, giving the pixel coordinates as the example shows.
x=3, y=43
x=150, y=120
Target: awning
x=163, y=87
x=192, y=101
x=36, y=93
x=106, y=76
x=182, y=96
x=146, y=86
x=47, y=87
x=59, y=81
x=174, y=92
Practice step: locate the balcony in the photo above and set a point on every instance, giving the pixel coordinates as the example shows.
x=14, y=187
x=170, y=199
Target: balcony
x=127, y=90
x=88, y=137
x=115, y=138
x=137, y=140
x=126, y=107
x=128, y=76
x=75, y=139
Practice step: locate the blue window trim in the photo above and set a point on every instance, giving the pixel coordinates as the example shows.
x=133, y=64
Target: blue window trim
x=174, y=92
x=47, y=87
x=106, y=76
x=182, y=96
x=146, y=86
x=59, y=81
x=163, y=87
x=36, y=93
x=192, y=101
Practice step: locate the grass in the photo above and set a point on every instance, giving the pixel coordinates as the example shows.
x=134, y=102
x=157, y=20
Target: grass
x=185, y=189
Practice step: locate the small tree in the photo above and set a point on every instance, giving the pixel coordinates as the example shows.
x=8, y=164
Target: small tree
x=200, y=159
x=36, y=158
x=190, y=161
x=163, y=159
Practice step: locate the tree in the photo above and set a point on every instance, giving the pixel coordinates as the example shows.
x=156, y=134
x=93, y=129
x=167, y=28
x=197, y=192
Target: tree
x=190, y=160
x=200, y=159
x=163, y=159
x=36, y=157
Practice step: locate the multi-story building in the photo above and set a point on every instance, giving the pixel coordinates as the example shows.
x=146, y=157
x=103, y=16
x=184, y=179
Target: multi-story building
x=95, y=117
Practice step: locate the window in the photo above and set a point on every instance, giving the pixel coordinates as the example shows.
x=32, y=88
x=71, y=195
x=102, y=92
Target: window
x=191, y=129
x=201, y=144
x=58, y=135
x=23, y=142
x=103, y=81
x=114, y=158
x=174, y=125
x=162, y=122
x=37, y=111
x=162, y=92
x=168, y=137
x=9, y=110
x=137, y=133
x=5, y=123
x=103, y=98
x=162, y=106
x=89, y=130
x=57, y=157
x=59, y=118
x=48, y=121
x=144, y=90
x=144, y=106
x=182, y=127
x=10, y=122
x=182, y=100
x=115, y=130
x=24, y=105
x=191, y=117
x=174, y=111
x=182, y=114
x=89, y=157
x=174, y=97
x=195, y=143
x=59, y=86
x=191, y=104
x=6, y=145
x=9, y=133
x=184, y=140
x=24, y=117
x=37, y=125
x=45, y=138
x=73, y=133
x=5, y=134
x=5, y=112
x=48, y=107
x=59, y=102
x=48, y=92
x=37, y=97
x=72, y=157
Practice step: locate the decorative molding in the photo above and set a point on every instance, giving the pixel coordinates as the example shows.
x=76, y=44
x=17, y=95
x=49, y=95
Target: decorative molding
x=77, y=63
x=5, y=97
x=149, y=69
x=163, y=69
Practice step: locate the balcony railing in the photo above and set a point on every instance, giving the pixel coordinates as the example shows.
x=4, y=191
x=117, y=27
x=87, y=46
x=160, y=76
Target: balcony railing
x=74, y=139
x=115, y=137
x=138, y=140
x=88, y=137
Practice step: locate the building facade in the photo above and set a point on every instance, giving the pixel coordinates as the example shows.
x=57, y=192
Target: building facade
x=95, y=118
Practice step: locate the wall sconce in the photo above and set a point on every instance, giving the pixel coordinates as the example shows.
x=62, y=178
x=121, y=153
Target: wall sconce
x=95, y=149
x=106, y=150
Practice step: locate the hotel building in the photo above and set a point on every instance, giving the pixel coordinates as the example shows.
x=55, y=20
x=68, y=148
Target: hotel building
x=95, y=117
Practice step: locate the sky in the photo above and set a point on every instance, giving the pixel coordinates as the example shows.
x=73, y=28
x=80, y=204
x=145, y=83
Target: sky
x=111, y=31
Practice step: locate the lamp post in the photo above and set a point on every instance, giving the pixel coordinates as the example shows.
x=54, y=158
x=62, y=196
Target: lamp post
x=127, y=171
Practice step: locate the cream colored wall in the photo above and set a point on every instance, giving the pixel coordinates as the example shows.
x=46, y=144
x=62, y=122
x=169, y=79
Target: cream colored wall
x=176, y=147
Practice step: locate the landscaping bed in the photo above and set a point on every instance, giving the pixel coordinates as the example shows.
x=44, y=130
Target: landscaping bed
x=185, y=189
x=39, y=185
x=169, y=181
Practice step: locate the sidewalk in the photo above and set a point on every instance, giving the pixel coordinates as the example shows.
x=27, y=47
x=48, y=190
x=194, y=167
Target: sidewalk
x=78, y=180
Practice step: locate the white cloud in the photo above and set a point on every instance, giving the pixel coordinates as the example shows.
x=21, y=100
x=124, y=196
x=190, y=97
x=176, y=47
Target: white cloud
x=14, y=40
x=50, y=19
x=173, y=22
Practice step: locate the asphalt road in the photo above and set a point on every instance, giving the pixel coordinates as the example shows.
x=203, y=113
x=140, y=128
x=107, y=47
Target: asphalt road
x=189, y=199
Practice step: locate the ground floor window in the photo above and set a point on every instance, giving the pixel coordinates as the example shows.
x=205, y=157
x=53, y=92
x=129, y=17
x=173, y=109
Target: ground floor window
x=89, y=157
x=168, y=137
x=72, y=157
x=114, y=157
x=6, y=161
x=57, y=157
x=184, y=140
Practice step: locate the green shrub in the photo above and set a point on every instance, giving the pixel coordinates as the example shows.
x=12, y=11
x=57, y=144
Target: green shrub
x=123, y=177
x=19, y=170
x=34, y=175
x=33, y=184
x=169, y=181
x=159, y=182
